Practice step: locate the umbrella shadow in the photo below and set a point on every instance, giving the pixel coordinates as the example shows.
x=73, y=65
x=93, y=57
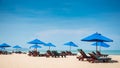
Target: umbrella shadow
x=114, y=61
x=111, y=61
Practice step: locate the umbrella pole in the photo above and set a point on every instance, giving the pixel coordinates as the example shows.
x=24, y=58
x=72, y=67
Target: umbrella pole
x=70, y=48
x=36, y=49
x=49, y=47
x=100, y=48
x=96, y=46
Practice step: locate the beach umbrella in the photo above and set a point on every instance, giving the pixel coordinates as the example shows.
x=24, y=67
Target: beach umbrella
x=97, y=37
x=71, y=44
x=101, y=44
x=4, y=45
x=35, y=46
x=36, y=41
x=50, y=45
x=17, y=47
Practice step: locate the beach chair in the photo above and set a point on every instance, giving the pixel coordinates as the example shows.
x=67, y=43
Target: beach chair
x=99, y=54
x=30, y=53
x=35, y=53
x=70, y=53
x=49, y=53
x=55, y=54
x=0, y=52
x=63, y=54
x=83, y=55
x=95, y=58
x=94, y=53
x=5, y=52
x=67, y=53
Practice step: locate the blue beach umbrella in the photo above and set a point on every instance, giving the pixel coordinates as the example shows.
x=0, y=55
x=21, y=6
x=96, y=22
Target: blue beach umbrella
x=97, y=37
x=35, y=46
x=17, y=47
x=36, y=41
x=71, y=44
x=50, y=45
x=4, y=45
x=101, y=44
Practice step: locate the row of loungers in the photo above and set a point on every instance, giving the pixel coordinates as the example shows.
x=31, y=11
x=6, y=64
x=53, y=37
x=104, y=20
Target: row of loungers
x=47, y=54
x=5, y=53
x=93, y=57
x=18, y=52
x=51, y=53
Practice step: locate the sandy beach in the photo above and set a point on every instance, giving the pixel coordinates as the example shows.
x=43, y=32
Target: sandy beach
x=25, y=61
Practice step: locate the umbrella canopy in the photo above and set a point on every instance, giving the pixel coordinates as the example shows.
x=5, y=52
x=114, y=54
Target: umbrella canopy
x=17, y=46
x=36, y=41
x=2, y=48
x=35, y=46
x=101, y=44
x=50, y=45
x=71, y=44
x=4, y=45
x=97, y=37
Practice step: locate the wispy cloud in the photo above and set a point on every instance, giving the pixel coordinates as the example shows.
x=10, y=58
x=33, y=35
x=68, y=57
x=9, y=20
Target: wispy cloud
x=66, y=34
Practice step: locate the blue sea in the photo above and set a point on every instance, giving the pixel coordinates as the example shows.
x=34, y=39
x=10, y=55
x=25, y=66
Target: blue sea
x=111, y=52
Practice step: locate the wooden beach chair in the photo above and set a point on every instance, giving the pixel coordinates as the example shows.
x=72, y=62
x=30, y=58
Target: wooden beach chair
x=49, y=53
x=35, y=53
x=55, y=54
x=70, y=53
x=95, y=58
x=99, y=54
x=30, y=53
x=63, y=54
x=83, y=55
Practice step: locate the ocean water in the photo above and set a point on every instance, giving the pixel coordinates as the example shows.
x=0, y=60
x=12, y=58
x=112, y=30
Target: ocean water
x=110, y=52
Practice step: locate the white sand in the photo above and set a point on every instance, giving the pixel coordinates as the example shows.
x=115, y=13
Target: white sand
x=25, y=61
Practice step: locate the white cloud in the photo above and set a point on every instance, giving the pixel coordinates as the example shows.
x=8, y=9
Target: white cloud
x=64, y=32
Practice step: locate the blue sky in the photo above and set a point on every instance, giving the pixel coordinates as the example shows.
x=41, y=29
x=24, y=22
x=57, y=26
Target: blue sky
x=59, y=21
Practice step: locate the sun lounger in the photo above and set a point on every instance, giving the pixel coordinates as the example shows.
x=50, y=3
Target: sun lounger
x=30, y=53
x=83, y=55
x=55, y=54
x=69, y=53
x=99, y=54
x=49, y=53
x=5, y=52
x=95, y=58
x=63, y=54
x=33, y=53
